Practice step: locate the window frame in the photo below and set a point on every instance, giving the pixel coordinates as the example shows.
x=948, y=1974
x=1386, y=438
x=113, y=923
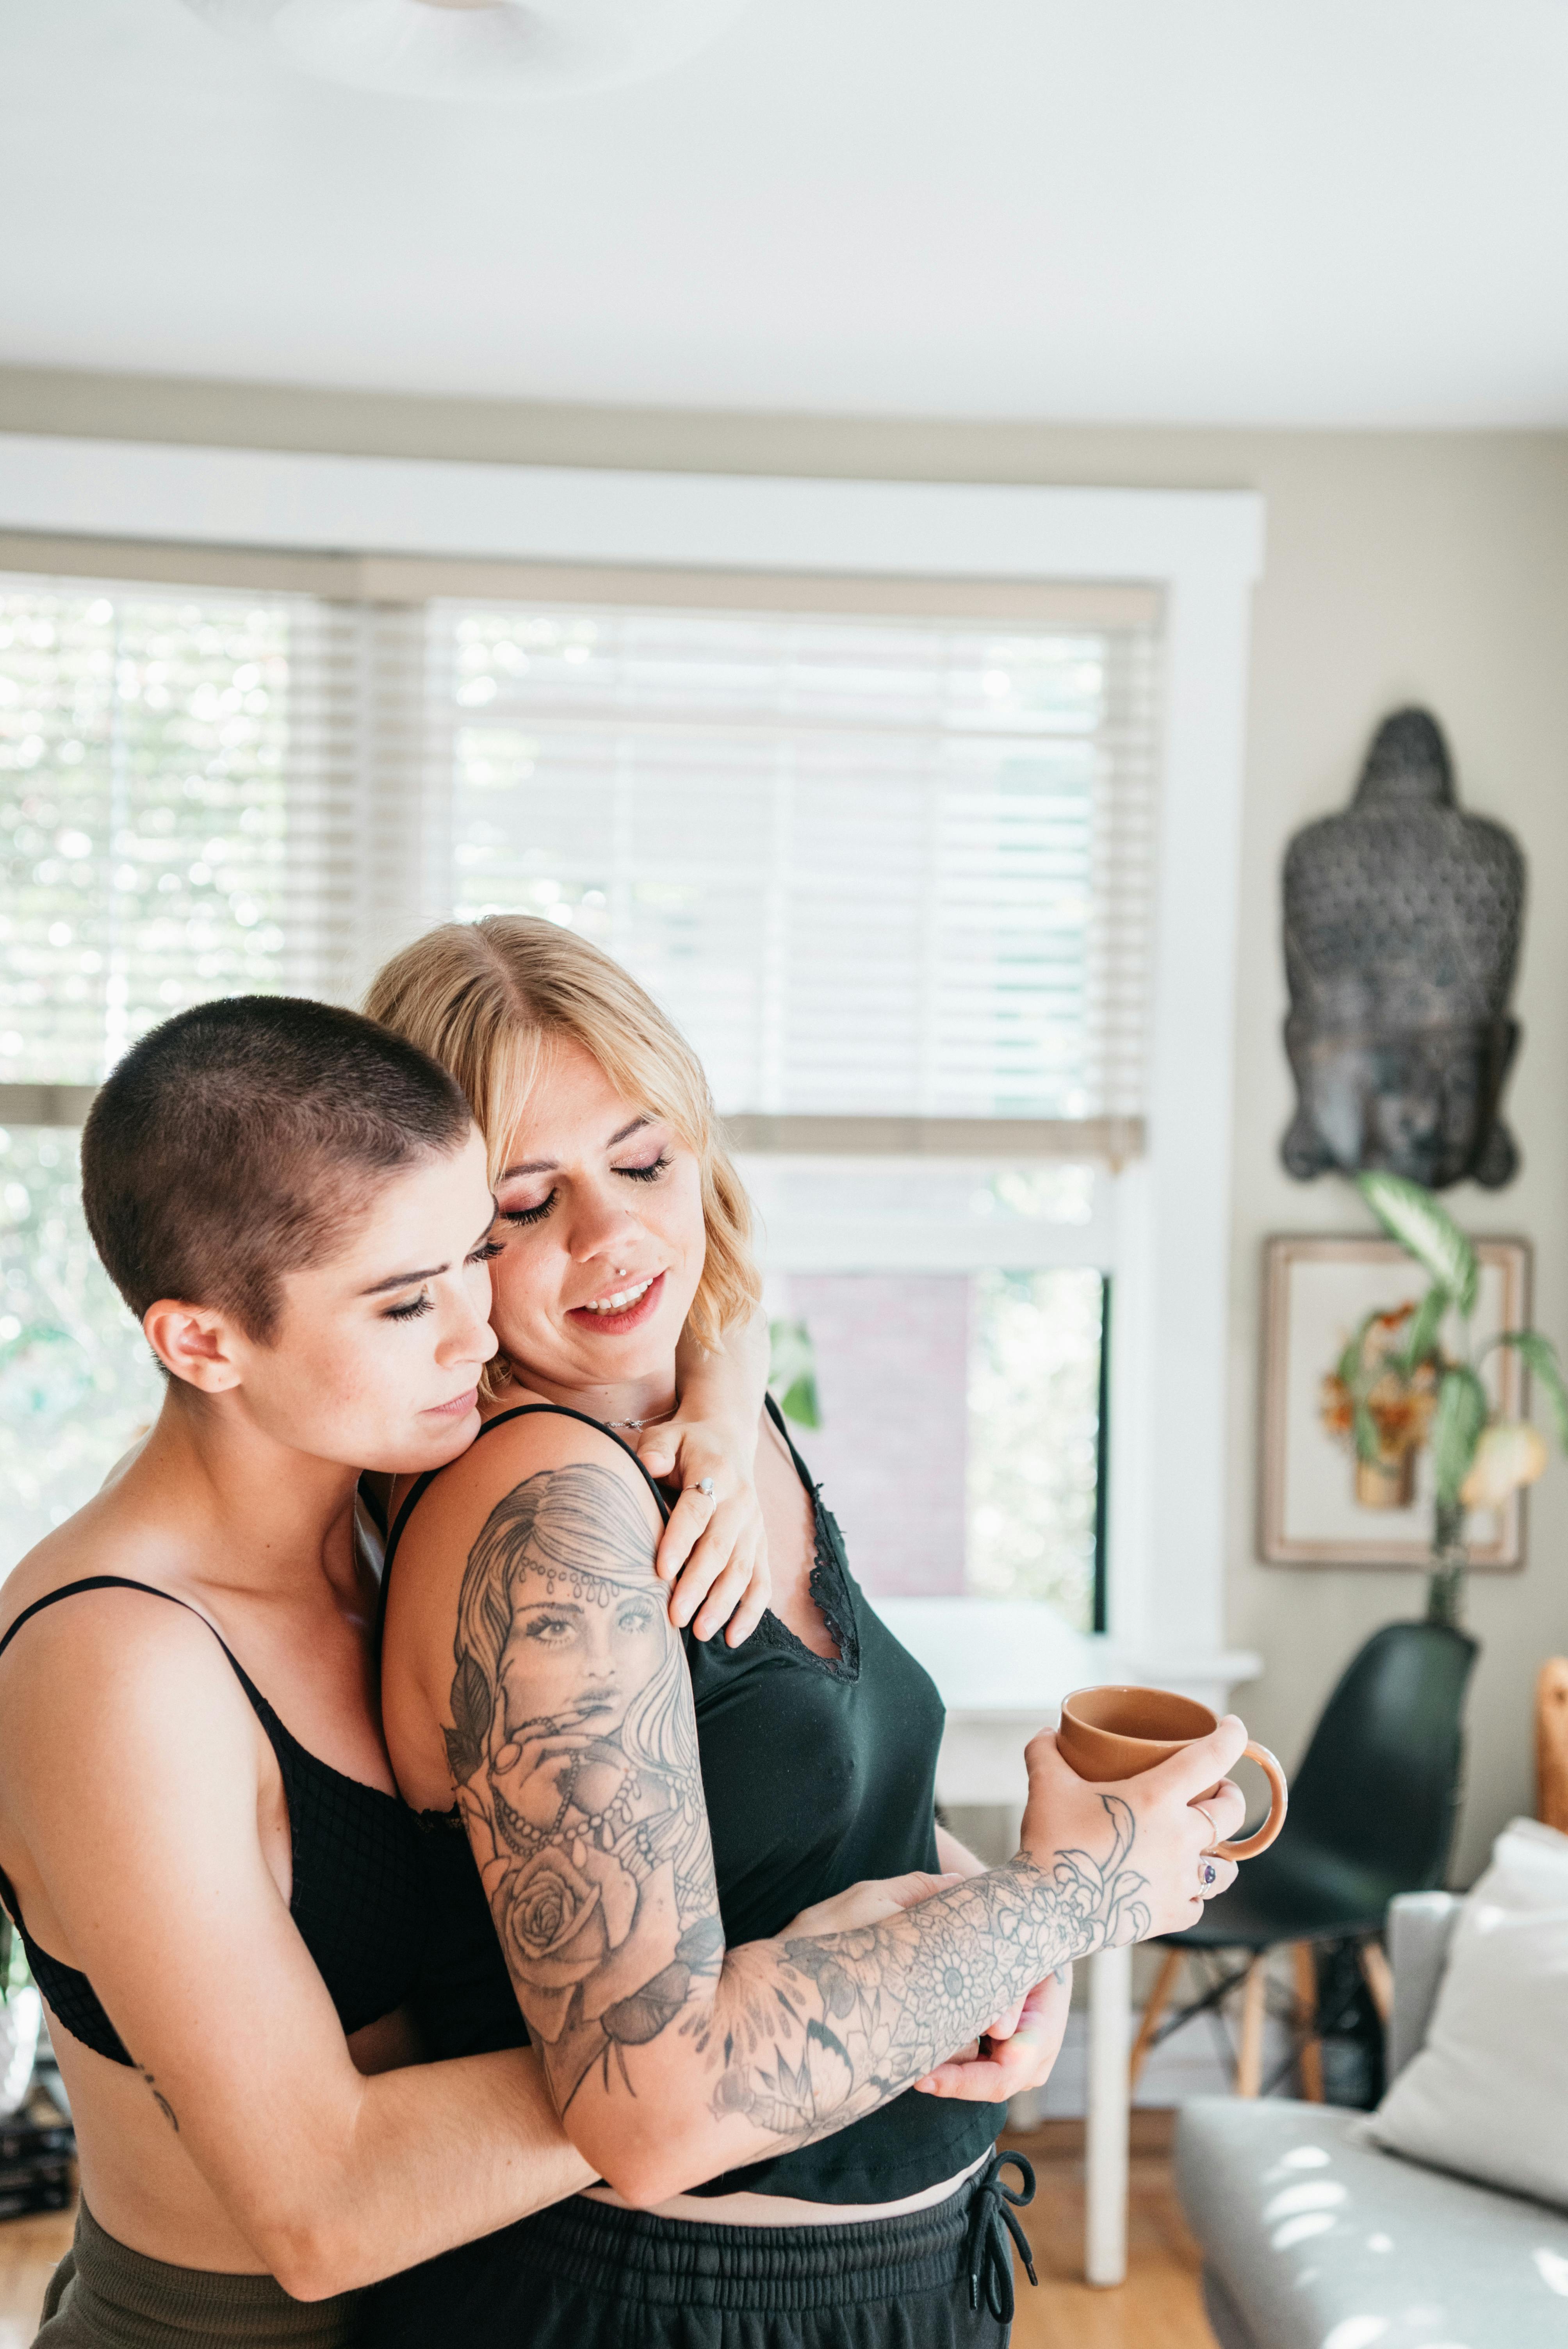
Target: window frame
x=283, y=519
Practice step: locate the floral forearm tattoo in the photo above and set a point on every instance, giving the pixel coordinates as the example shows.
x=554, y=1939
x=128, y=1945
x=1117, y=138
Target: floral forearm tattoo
x=831, y=2028
x=573, y=1751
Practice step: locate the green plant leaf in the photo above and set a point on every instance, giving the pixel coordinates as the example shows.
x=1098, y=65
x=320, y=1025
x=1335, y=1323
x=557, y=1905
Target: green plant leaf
x=792, y=1373
x=1540, y=1355
x=1409, y=1214
x=1456, y=1425
x=1352, y=1367
x=800, y=1403
x=1422, y=1338
x=1366, y=1426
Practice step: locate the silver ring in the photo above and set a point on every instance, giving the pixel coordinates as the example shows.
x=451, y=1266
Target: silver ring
x=1209, y=1875
x=1207, y=1814
x=706, y=1486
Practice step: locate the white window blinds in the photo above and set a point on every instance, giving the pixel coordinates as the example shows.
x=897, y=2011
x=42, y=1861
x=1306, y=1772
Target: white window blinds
x=177, y=777
x=879, y=868
x=893, y=867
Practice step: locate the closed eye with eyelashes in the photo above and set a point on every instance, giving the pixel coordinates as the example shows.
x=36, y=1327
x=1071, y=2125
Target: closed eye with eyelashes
x=416, y=1306
x=521, y=1217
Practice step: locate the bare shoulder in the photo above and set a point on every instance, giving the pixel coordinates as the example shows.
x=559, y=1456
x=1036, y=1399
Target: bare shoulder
x=113, y=1647
x=526, y=1457
x=115, y=1699
x=542, y=1478
x=83, y=1547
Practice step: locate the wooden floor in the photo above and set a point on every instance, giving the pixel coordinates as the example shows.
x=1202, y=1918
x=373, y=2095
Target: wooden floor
x=1157, y=2308
x=28, y=2250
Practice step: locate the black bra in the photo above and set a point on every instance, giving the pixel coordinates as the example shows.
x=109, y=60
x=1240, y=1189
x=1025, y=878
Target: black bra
x=358, y=1890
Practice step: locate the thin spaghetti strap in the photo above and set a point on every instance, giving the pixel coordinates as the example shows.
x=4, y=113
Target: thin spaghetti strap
x=563, y=1411
x=422, y=1483
x=776, y=1416
x=105, y=1582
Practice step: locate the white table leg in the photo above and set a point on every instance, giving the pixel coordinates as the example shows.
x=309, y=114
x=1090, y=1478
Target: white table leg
x=1110, y=2103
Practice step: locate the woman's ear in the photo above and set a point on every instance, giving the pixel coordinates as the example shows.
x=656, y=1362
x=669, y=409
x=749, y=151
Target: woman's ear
x=195, y=1343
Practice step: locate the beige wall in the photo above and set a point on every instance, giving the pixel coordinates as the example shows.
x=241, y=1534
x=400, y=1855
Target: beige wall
x=1423, y=566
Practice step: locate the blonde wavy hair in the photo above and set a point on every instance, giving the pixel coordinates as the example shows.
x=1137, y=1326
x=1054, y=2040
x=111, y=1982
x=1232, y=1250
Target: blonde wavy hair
x=492, y=1000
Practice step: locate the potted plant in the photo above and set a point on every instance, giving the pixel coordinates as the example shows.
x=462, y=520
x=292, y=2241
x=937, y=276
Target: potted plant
x=1398, y=1386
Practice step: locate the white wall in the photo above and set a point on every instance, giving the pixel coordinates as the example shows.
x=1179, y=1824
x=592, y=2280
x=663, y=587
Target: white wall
x=1435, y=571
x=1400, y=566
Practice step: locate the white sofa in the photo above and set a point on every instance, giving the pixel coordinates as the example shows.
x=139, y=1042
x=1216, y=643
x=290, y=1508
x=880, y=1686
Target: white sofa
x=1315, y=2238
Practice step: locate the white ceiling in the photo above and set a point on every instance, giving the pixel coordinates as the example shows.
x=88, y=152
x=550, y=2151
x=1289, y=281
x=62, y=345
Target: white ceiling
x=1352, y=212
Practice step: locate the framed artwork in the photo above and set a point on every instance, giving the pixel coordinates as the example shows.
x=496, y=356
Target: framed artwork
x=1313, y=1509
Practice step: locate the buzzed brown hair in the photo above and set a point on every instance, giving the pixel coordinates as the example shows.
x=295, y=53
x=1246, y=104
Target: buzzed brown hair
x=236, y=1143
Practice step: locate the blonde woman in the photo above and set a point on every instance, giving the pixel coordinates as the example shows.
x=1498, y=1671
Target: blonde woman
x=640, y=1821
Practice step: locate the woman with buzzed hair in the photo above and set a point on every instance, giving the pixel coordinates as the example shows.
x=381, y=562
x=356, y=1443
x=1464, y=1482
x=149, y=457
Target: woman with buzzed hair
x=223, y=1901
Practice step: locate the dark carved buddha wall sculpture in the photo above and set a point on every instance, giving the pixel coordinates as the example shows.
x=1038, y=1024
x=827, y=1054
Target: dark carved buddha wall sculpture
x=1402, y=920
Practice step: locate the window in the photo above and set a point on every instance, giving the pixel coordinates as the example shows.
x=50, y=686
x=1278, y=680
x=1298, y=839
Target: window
x=1180, y=565
x=166, y=813
x=172, y=813
x=891, y=871
x=959, y=1429
x=957, y=1317
x=874, y=866
x=1038, y=1439
x=77, y=1382
x=877, y=867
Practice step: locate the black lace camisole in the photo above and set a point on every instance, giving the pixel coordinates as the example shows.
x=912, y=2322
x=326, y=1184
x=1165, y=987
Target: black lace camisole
x=817, y=1772
x=359, y=1894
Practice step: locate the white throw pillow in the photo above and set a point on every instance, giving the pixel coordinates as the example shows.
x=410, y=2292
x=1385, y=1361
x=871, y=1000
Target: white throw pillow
x=1487, y=2096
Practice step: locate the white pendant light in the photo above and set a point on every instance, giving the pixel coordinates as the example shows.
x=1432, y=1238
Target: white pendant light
x=495, y=50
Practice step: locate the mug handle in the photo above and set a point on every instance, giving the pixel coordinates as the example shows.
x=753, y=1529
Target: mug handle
x=1249, y=1846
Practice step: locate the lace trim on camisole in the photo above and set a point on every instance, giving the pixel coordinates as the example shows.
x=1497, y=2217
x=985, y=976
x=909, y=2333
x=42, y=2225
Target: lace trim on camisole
x=829, y=1593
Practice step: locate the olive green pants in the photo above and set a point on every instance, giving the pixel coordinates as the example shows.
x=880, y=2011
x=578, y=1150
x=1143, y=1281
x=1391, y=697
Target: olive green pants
x=105, y=2296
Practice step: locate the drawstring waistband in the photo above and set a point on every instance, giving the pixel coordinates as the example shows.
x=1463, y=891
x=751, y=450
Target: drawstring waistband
x=991, y=2221
x=633, y=2258
x=595, y=2276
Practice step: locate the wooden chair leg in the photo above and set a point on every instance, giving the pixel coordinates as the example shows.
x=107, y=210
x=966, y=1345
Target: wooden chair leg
x=1304, y=1966
x=1159, y=1998
x=1552, y=1744
x=1379, y=1980
x=1249, y=2061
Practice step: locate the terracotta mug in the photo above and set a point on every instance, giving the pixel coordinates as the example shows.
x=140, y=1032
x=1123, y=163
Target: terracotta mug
x=1118, y=1732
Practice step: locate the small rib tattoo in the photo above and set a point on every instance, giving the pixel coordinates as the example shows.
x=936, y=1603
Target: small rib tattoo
x=159, y=2099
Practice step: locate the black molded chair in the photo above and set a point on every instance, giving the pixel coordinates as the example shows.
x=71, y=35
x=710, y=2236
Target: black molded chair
x=1372, y=1811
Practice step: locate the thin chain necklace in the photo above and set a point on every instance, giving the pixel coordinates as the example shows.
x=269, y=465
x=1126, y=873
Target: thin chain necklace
x=634, y=1426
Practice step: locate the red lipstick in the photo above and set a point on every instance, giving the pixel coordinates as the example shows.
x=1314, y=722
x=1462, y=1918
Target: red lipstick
x=614, y=1325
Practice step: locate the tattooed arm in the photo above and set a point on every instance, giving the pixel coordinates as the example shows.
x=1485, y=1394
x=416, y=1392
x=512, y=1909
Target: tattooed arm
x=570, y=1738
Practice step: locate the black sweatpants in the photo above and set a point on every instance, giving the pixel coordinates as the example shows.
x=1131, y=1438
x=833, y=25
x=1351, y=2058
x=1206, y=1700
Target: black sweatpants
x=585, y=2275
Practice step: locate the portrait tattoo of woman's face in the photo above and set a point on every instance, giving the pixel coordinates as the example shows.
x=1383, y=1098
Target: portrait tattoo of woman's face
x=575, y=1756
